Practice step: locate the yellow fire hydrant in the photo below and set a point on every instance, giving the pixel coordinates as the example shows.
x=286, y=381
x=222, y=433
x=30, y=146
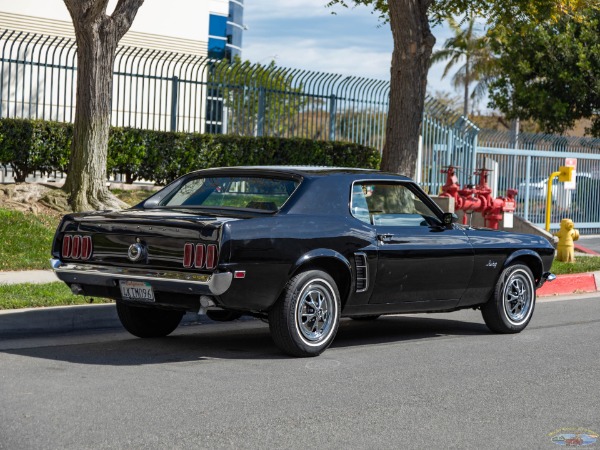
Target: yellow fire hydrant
x=566, y=235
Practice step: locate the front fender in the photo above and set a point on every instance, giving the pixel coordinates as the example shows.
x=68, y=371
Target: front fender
x=534, y=261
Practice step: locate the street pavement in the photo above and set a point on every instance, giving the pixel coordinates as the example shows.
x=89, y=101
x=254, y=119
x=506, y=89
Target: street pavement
x=423, y=382
x=590, y=242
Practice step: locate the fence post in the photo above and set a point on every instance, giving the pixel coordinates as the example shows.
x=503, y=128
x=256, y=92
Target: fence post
x=260, y=125
x=474, y=161
x=528, y=179
x=450, y=147
x=174, y=101
x=332, y=113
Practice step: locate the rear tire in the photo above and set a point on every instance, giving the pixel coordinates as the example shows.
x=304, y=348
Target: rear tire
x=511, y=307
x=148, y=322
x=305, y=319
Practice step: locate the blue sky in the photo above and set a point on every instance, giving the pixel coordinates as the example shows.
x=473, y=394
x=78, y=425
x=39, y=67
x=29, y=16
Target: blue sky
x=305, y=34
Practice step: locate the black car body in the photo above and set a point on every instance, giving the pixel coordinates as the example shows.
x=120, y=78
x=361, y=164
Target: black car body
x=301, y=246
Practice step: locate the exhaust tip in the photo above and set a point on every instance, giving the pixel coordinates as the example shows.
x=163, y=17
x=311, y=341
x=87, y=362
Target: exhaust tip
x=77, y=289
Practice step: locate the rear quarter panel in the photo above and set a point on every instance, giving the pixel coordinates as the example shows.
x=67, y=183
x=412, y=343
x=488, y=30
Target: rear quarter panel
x=268, y=250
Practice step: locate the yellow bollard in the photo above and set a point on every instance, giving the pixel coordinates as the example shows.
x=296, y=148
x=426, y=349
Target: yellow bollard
x=566, y=235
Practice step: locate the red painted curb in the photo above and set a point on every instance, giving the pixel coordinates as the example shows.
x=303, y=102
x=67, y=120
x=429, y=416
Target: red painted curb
x=586, y=250
x=569, y=284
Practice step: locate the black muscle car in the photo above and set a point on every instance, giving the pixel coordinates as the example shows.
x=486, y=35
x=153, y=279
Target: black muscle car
x=301, y=247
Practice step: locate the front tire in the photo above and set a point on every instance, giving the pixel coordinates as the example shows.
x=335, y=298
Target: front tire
x=511, y=307
x=148, y=322
x=305, y=319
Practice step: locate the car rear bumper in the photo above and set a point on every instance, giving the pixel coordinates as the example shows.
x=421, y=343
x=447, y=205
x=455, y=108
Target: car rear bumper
x=164, y=281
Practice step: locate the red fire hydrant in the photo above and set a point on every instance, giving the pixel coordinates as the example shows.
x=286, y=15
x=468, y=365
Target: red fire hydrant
x=478, y=198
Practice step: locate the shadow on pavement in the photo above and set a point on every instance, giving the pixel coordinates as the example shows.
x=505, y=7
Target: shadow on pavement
x=249, y=340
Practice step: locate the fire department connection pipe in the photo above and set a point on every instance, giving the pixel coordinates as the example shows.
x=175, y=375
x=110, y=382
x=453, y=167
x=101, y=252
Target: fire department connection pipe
x=478, y=198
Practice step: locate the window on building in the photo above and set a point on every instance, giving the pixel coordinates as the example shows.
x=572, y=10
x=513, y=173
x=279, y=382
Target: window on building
x=217, y=26
x=216, y=48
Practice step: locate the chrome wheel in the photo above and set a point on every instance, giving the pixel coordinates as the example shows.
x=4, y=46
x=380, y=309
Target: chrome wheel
x=305, y=319
x=517, y=297
x=511, y=307
x=315, y=311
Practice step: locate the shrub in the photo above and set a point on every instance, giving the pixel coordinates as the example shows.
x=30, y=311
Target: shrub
x=161, y=156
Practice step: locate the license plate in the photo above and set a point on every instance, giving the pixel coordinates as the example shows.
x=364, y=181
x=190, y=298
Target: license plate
x=136, y=290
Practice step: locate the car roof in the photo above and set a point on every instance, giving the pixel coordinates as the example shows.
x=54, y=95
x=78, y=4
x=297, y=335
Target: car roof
x=309, y=171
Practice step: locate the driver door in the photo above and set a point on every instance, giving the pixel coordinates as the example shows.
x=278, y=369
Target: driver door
x=421, y=263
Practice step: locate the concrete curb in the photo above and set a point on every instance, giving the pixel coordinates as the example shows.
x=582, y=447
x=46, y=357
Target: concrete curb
x=67, y=319
x=571, y=284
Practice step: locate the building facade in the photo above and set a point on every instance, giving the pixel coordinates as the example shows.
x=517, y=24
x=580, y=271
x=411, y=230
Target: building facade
x=208, y=28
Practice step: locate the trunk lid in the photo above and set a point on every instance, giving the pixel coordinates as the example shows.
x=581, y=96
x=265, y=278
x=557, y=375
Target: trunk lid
x=144, y=238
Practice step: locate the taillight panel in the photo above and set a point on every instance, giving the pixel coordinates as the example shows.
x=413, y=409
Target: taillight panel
x=200, y=256
x=77, y=247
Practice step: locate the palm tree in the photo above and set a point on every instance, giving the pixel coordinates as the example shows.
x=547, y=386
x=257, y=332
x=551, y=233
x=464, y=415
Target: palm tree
x=479, y=61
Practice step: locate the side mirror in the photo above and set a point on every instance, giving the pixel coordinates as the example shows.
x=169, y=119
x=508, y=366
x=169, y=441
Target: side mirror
x=449, y=218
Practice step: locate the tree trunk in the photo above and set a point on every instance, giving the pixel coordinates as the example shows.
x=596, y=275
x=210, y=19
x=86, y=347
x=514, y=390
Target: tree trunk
x=413, y=43
x=97, y=38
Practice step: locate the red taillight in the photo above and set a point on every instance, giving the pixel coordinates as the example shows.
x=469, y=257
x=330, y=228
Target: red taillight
x=188, y=255
x=211, y=256
x=76, y=249
x=66, y=247
x=86, y=247
x=199, y=256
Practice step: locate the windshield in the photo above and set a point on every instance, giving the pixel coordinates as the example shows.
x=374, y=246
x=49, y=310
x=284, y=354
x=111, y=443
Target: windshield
x=262, y=193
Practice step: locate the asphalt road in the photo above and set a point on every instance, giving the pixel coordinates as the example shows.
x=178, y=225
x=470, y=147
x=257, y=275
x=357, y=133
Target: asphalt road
x=426, y=382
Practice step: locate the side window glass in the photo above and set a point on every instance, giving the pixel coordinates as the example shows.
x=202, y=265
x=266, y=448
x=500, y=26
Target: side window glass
x=359, y=206
x=390, y=205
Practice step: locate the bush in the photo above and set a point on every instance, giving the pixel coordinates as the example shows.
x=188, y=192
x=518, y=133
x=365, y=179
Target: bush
x=161, y=156
x=34, y=145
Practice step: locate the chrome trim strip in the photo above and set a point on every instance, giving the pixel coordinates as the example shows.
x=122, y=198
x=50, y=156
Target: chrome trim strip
x=217, y=283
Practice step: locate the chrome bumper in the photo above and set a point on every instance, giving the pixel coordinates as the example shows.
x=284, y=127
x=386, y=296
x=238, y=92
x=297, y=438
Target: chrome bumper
x=546, y=276
x=183, y=282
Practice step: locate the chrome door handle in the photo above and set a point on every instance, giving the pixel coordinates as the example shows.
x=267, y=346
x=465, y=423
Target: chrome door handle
x=385, y=237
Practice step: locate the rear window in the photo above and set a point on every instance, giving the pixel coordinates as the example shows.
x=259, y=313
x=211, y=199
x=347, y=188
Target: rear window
x=260, y=193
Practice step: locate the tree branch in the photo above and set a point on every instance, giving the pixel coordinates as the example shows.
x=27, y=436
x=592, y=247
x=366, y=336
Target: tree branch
x=86, y=11
x=123, y=16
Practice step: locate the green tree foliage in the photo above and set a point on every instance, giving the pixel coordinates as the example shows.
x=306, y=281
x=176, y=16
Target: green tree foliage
x=260, y=98
x=550, y=71
x=413, y=43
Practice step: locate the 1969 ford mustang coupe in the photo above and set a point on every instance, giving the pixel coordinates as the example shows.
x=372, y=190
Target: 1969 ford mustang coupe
x=301, y=247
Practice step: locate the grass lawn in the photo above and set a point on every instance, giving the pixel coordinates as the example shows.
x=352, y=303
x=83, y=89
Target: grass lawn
x=25, y=240
x=132, y=197
x=581, y=264
x=36, y=295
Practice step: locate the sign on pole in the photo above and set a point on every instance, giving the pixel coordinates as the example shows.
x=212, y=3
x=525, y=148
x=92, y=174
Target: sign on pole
x=571, y=162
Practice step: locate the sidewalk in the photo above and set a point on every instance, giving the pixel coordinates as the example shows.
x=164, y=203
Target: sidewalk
x=28, y=276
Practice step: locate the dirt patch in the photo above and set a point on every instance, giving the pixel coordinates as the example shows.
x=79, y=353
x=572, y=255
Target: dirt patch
x=39, y=199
